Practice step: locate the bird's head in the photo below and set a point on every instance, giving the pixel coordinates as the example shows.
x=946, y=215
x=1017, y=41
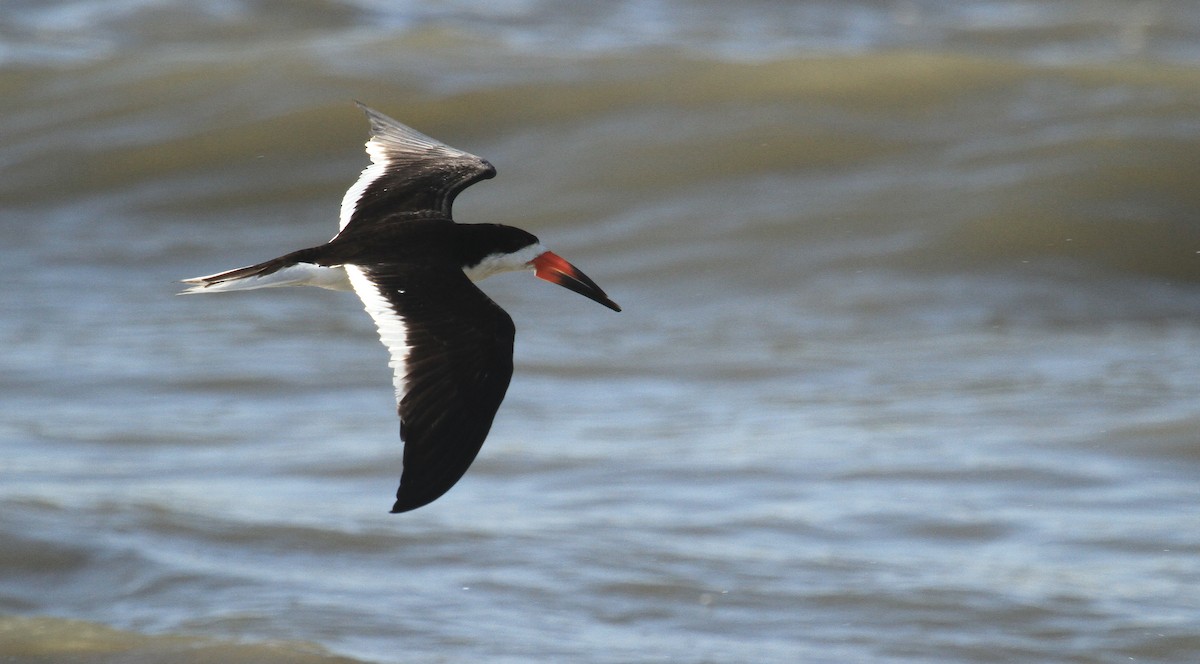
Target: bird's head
x=505, y=249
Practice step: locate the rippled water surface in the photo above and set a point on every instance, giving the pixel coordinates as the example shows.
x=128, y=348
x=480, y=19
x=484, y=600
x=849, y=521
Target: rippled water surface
x=907, y=370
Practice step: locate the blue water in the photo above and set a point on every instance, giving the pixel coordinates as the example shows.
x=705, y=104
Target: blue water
x=906, y=370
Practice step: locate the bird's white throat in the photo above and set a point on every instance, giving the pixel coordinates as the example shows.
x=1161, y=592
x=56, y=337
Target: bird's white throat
x=497, y=263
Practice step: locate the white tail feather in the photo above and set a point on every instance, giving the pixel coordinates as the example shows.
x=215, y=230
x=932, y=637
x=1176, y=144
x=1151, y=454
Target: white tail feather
x=299, y=274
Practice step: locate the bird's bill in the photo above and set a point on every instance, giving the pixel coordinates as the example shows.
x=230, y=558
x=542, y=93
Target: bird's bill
x=553, y=268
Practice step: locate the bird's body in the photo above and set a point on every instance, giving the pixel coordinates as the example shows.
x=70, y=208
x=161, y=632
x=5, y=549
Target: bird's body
x=412, y=266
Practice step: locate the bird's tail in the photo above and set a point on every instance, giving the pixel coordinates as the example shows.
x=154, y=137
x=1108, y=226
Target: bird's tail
x=283, y=271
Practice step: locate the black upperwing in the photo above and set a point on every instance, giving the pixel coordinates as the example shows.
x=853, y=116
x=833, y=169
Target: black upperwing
x=409, y=173
x=451, y=354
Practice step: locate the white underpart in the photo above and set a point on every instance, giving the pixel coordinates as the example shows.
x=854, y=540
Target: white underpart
x=392, y=330
x=300, y=274
x=497, y=263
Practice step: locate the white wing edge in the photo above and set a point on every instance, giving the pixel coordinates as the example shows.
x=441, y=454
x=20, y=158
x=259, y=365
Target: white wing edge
x=393, y=331
x=378, y=167
x=387, y=133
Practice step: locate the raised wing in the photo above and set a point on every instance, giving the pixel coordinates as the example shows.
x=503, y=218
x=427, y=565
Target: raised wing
x=451, y=355
x=409, y=173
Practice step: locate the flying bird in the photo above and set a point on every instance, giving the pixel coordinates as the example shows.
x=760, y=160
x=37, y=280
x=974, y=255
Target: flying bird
x=399, y=249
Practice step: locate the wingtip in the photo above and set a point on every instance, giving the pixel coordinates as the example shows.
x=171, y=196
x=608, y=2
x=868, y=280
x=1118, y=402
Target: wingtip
x=400, y=507
x=194, y=285
x=378, y=120
x=408, y=499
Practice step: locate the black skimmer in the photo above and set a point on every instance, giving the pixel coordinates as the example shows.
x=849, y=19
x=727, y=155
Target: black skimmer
x=412, y=266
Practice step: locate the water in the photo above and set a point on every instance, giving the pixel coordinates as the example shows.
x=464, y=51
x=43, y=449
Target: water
x=906, y=372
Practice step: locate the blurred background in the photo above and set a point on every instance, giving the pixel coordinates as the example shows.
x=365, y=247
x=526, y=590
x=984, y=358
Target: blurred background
x=907, y=370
